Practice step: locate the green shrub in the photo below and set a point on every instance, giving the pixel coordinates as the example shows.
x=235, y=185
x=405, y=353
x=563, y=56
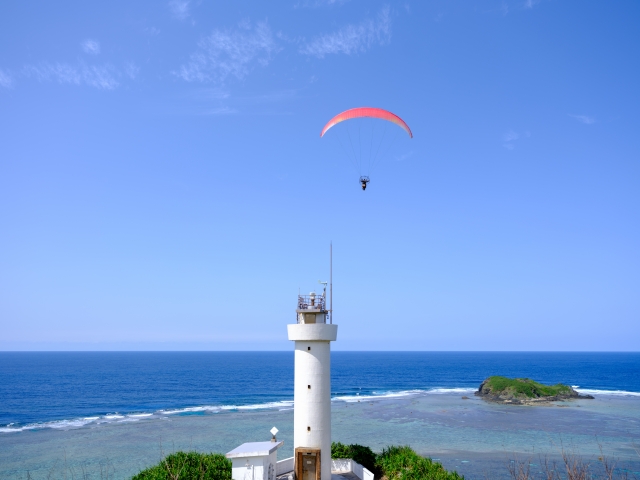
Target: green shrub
x=189, y=466
x=402, y=463
x=361, y=454
x=394, y=463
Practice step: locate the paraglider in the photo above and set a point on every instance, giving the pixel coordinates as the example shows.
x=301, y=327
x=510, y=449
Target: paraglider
x=377, y=138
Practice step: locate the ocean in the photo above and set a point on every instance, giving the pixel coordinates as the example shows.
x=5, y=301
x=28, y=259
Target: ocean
x=122, y=410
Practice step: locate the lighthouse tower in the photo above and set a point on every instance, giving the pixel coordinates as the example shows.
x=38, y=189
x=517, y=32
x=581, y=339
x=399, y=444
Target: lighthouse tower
x=312, y=391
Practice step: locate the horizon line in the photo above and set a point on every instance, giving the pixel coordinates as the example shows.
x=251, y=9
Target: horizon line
x=333, y=351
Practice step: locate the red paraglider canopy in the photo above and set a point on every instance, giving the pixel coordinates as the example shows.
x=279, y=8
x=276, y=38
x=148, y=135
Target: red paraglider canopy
x=366, y=112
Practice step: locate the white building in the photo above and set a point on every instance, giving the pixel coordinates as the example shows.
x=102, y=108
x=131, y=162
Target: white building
x=312, y=388
x=254, y=461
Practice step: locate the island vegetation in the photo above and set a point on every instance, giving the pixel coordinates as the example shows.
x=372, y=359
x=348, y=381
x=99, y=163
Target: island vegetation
x=524, y=391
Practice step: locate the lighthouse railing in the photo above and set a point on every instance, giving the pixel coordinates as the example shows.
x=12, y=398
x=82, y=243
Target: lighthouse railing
x=312, y=302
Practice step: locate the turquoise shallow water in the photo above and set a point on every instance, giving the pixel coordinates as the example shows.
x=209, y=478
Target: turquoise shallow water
x=474, y=437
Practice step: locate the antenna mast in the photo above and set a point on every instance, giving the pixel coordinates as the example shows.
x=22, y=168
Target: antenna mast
x=331, y=281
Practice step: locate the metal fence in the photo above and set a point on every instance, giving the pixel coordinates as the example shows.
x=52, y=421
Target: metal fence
x=307, y=302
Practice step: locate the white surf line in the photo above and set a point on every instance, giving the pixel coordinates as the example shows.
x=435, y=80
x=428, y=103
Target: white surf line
x=613, y=393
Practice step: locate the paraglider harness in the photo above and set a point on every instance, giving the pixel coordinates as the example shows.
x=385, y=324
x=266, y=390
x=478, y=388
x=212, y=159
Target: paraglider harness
x=364, y=181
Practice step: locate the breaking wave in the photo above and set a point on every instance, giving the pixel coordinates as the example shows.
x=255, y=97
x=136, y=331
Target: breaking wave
x=136, y=417
x=613, y=393
x=282, y=405
x=402, y=393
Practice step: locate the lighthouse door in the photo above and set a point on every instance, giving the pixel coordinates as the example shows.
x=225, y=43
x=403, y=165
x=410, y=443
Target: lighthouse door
x=307, y=464
x=309, y=467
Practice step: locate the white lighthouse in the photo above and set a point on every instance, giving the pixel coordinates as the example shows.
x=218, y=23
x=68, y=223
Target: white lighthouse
x=312, y=390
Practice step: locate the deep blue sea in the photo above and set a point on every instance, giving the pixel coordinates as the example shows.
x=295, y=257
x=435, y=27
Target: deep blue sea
x=39, y=390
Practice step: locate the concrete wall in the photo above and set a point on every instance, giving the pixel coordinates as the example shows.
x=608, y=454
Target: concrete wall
x=254, y=468
x=284, y=466
x=345, y=465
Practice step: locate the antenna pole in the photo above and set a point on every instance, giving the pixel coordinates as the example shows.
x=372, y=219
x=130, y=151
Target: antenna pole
x=331, y=280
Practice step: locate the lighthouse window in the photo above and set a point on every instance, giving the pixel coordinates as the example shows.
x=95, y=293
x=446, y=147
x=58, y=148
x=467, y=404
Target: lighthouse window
x=309, y=387
x=308, y=348
x=308, y=429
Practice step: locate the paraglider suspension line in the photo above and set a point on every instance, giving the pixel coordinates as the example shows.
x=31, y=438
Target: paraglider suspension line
x=353, y=150
x=379, y=145
x=388, y=149
x=346, y=153
x=360, y=144
x=373, y=130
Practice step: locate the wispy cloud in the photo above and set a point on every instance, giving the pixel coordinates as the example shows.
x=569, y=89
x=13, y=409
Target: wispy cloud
x=218, y=101
x=586, y=119
x=131, y=70
x=91, y=47
x=230, y=53
x=530, y=3
x=5, y=79
x=151, y=31
x=180, y=8
x=352, y=38
x=510, y=137
x=98, y=76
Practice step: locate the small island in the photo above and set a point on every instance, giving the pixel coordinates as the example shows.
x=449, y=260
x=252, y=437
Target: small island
x=523, y=391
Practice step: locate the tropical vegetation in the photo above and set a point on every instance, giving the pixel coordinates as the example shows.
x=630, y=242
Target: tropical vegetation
x=524, y=387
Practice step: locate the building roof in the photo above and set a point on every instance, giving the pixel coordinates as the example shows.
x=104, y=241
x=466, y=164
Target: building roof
x=254, y=449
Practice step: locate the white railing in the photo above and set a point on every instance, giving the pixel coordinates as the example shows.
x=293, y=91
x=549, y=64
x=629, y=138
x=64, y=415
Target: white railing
x=284, y=466
x=346, y=465
x=366, y=474
x=338, y=465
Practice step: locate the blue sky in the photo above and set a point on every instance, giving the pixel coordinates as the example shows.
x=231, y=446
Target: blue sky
x=163, y=184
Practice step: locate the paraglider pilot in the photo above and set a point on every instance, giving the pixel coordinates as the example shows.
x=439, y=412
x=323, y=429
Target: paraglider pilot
x=363, y=182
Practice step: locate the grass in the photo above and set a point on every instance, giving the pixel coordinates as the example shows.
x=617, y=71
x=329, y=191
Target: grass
x=570, y=467
x=402, y=463
x=189, y=466
x=525, y=386
x=394, y=463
